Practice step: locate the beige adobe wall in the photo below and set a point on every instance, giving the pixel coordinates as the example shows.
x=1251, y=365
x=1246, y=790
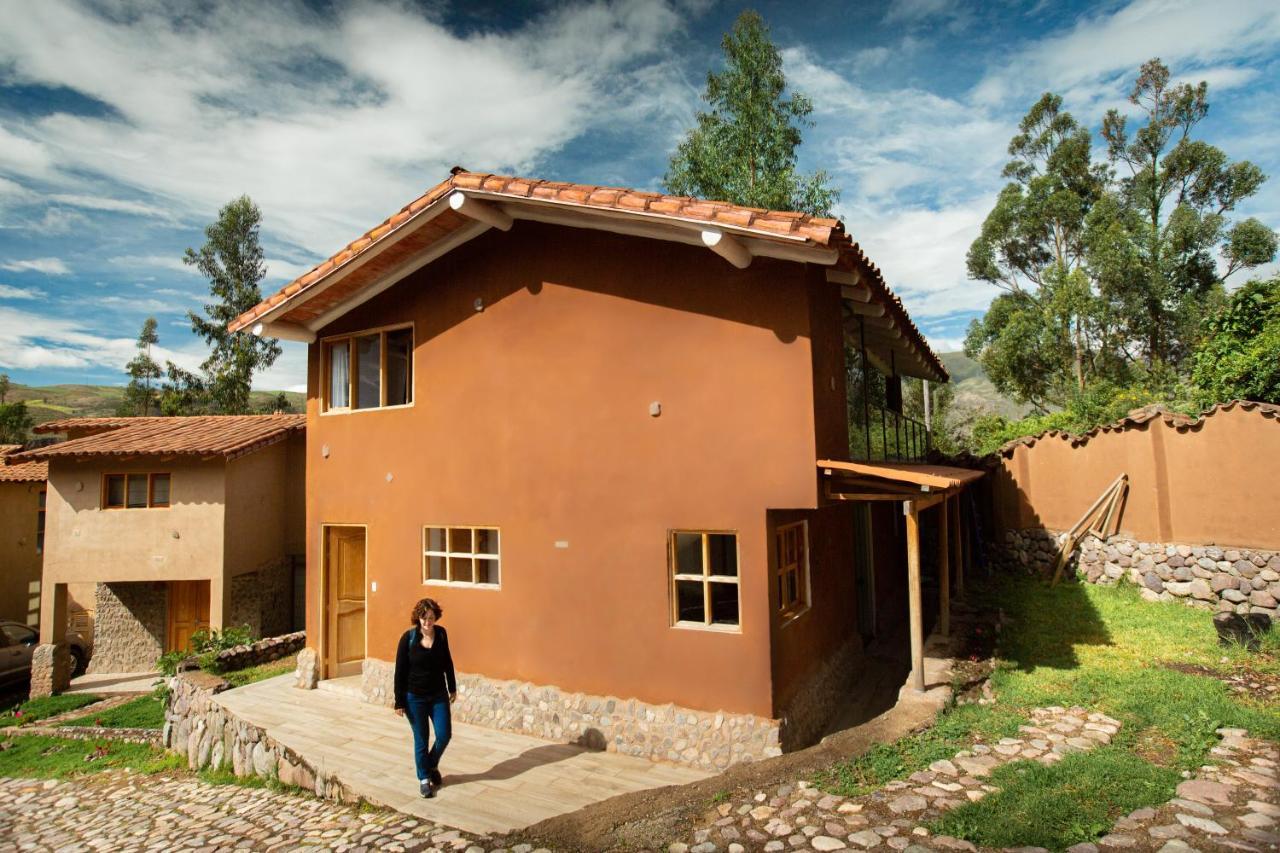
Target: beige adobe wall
x=19, y=561
x=87, y=544
x=1211, y=483
x=255, y=529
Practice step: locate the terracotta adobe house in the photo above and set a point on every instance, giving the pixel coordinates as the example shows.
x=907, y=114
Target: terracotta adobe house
x=610, y=431
x=177, y=524
x=22, y=508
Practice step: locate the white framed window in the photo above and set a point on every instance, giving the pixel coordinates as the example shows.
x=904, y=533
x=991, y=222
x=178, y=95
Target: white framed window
x=471, y=556
x=368, y=370
x=791, y=545
x=703, y=568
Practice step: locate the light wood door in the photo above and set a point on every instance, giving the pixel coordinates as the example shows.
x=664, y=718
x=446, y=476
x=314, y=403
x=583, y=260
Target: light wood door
x=344, y=600
x=188, y=612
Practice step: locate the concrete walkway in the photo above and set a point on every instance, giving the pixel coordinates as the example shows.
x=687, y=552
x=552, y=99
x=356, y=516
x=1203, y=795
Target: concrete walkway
x=114, y=683
x=495, y=781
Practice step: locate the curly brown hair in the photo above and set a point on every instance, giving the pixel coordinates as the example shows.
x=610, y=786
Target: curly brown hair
x=420, y=609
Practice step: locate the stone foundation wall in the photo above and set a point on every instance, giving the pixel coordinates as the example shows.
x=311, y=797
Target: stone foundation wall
x=814, y=703
x=703, y=739
x=199, y=729
x=1237, y=580
x=262, y=599
x=130, y=623
x=245, y=608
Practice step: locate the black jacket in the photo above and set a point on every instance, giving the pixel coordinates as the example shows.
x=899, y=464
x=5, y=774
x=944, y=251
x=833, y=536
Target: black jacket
x=441, y=645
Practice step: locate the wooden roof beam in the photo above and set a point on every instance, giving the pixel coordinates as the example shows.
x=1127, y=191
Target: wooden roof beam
x=728, y=248
x=480, y=211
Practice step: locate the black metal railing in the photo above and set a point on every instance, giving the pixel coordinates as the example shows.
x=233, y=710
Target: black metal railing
x=887, y=436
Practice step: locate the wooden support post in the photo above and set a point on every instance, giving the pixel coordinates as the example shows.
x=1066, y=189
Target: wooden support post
x=944, y=567
x=966, y=545
x=957, y=550
x=913, y=594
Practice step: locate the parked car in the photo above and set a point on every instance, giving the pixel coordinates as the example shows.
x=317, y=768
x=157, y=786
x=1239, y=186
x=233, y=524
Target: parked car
x=17, y=642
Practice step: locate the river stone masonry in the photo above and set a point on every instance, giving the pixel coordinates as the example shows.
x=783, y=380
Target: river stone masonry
x=708, y=740
x=261, y=651
x=1224, y=579
x=129, y=628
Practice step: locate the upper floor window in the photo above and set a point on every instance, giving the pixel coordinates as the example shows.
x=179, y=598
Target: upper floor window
x=44, y=494
x=467, y=555
x=135, y=491
x=369, y=370
x=704, y=578
x=792, y=545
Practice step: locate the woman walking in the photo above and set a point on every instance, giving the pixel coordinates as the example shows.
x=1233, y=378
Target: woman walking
x=425, y=687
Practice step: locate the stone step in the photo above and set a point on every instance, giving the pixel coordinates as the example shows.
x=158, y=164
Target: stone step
x=349, y=686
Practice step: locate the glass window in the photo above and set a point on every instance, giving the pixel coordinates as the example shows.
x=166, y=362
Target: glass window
x=114, y=491
x=369, y=365
x=136, y=492
x=704, y=577
x=40, y=522
x=792, y=547
x=339, y=374
x=159, y=489
x=399, y=343
x=465, y=555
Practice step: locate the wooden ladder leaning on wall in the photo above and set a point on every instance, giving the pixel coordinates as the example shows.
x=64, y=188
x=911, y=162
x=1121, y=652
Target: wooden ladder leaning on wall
x=1097, y=520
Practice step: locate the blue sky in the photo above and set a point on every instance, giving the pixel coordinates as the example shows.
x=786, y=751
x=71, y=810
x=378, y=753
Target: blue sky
x=124, y=127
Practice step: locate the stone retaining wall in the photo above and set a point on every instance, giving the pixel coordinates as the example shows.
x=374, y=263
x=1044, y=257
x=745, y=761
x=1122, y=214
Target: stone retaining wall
x=1238, y=580
x=150, y=737
x=263, y=651
x=707, y=740
x=130, y=623
x=199, y=729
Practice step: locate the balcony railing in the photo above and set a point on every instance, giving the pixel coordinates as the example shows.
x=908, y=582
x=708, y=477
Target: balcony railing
x=887, y=436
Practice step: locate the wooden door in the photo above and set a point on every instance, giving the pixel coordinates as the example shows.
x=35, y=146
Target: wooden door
x=188, y=612
x=344, y=600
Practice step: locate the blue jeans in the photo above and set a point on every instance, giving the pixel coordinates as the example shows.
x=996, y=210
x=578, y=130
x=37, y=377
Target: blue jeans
x=425, y=714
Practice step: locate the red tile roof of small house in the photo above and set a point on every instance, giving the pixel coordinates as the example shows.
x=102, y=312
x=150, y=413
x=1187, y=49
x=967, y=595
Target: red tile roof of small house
x=227, y=436
x=379, y=251
x=20, y=472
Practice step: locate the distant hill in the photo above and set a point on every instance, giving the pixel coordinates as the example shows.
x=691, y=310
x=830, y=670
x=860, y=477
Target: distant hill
x=974, y=393
x=51, y=402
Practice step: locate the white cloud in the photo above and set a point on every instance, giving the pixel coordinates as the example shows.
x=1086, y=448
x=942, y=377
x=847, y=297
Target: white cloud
x=913, y=11
x=48, y=266
x=34, y=341
x=112, y=205
x=9, y=292
x=286, y=270
x=173, y=263
x=289, y=373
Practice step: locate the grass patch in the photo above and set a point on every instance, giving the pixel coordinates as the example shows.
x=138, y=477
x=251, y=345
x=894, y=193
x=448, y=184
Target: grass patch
x=145, y=712
x=1057, y=806
x=224, y=776
x=261, y=672
x=955, y=729
x=39, y=757
x=43, y=707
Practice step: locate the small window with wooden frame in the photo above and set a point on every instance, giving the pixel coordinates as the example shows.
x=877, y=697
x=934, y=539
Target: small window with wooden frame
x=791, y=543
x=467, y=556
x=703, y=567
x=40, y=511
x=135, y=491
x=367, y=370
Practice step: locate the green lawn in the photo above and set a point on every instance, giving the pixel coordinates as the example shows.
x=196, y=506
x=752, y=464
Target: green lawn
x=145, y=712
x=34, y=710
x=39, y=757
x=1105, y=649
x=241, y=677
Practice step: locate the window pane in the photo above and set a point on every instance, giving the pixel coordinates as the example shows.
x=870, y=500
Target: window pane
x=435, y=568
x=43, y=498
x=115, y=490
x=339, y=374
x=435, y=539
x=722, y=548
x=137, y=494
x=688, y=553
x=724, y=604
x=463, y=569
x=460, y=540
x=486, y=571
x=159, y=489
x=793, y=591
x=689, y=606
x=486, y=541
x=369, y=363
x=399, y=367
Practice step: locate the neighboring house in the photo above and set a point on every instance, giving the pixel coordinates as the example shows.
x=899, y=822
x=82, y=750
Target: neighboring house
x=22, y=497
x=605, y=429
x=178, y=523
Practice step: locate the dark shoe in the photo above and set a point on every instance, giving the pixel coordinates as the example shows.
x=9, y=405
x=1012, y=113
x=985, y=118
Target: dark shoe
x=431, y=791
x=436, y=779
x=424, y=788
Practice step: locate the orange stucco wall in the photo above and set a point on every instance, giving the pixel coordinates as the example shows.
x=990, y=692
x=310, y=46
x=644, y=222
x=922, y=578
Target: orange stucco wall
x=533, y=415
x=1208, y=483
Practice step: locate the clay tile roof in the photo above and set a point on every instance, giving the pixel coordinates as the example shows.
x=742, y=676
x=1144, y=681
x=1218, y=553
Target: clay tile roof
x=1146, y=414
x=228, y=436
x=20, y=472
x=770, y=225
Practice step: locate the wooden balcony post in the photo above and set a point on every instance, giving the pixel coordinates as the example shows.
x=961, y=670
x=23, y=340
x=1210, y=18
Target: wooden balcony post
x=944, y=566
x=913, y=594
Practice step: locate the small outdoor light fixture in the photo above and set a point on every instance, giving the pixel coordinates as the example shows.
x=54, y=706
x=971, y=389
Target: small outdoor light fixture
x=79, y=485
x=655, y=409
x=324, y=451
x=479, y=303
x=389, y=477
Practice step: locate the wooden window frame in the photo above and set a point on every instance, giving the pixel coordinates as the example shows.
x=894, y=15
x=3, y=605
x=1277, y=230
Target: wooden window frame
x=448, y=554
x=353, y=369
x=42, y=506
x=706, y=578
x=789, y=610
x=150, y=475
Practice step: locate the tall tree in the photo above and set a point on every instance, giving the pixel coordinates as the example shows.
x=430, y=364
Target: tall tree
x=15, y=423
x=4, y=387
x=140, y=396
x=1239, y=356
x=232, y=260
x=743, y=149
x=1156, y=234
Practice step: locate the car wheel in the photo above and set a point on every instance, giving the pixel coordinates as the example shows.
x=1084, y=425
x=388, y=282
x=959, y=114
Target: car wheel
x=78, y=663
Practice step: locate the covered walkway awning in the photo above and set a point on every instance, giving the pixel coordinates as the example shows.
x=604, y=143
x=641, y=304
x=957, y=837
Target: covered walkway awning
x=918, y=487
